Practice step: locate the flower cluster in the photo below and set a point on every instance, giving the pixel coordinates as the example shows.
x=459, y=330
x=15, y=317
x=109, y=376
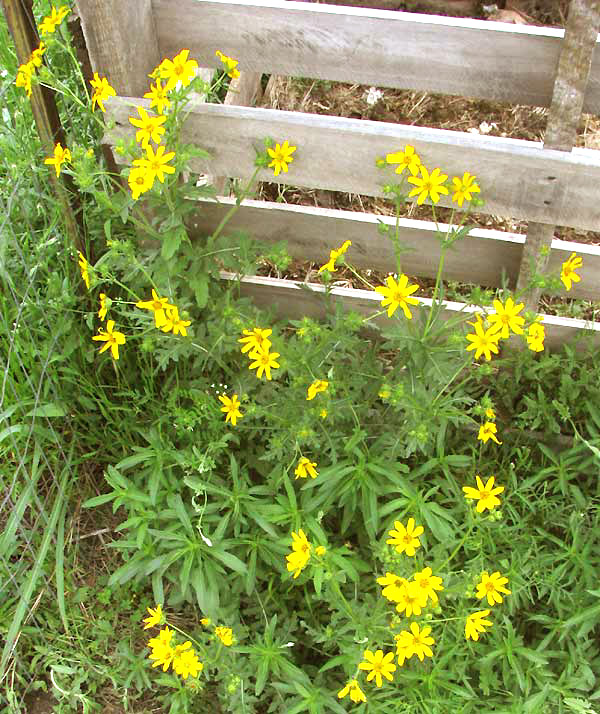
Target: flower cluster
x=166, y=315
x=165, y=653
x=256, y=344
x=178, y=72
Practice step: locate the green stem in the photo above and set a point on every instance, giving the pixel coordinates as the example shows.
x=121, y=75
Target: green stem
x=227, y=217
x=458, y=547
x=345, y=604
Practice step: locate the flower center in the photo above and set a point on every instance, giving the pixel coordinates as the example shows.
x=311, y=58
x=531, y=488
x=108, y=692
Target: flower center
x=140, y=180
x=424, y=583
x=484, y=494
x=489, y=586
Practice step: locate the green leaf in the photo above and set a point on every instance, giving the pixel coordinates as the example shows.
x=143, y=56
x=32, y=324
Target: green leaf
x=199, y=284
x=171, y=242
x=47, y=410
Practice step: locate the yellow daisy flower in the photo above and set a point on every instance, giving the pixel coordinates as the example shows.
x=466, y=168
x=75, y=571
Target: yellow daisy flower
x=492, y=587
x=149, y=127
x=305, y=468
x=463, y=188
x=225, y=634
x=428, y=185
x=407, y=159
x=535, y=337
x=229, y=64
x=488, y=431
x=173, y=323
x=255, y=340
x=428, y=583
x=397, y=294
x=158, y=305
x=180, y=69
x=486, y=496
x=156, y=164
x=319, y=385
x=282, y=156
x=567, y=273
x=60, y=156
x=416, y=642
x=158, y=95
x=156, y=617
x=111, y=337
x=353, y=689
x=378, y=666
x=231, y=407
x=507, y=318
x=405, y=540
x=139, y=180
x=484, y=342
x=102, y=91
x=187, y=664
x=334, y=255
x=264, y=361
x=476, y=624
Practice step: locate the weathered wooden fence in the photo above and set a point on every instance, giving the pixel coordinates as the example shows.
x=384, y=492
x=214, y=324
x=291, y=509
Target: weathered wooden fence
x=127, y=38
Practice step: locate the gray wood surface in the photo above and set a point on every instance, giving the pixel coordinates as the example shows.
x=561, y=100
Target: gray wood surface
x=518, y=178
x=481, y=258
x=121, y=41
x=474, y=58
x=292, y=300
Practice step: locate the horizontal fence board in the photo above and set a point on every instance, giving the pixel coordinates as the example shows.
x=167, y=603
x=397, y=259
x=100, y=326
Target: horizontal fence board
x=293, y=300
x=518, y=178
x=481, y=257
x=474, y=58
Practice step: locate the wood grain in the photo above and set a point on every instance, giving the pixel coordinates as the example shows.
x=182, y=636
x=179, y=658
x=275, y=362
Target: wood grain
x=474, y=58
x=122, y=42
x=518, y=178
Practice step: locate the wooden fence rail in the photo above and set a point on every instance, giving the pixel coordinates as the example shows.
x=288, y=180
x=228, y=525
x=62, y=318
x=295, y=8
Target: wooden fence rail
x=312, y=232
x=473, y=58
x=519, y=178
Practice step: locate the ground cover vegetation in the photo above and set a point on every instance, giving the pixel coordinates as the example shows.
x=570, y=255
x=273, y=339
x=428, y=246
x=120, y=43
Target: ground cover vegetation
x=207, y=508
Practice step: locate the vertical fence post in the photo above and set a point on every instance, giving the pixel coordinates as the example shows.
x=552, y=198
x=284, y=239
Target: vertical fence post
x=22, y=26
x=121, y=41
x=580, y=38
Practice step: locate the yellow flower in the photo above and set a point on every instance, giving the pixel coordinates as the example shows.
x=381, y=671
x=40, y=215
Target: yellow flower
x=158, y=95
x=112, y=339
x=476, y=623
x=407, y=160
x=405, y=540
x=164, y=638
x=156, y=163
x=282, y=156
x=158, y=305
x=156, y=617
x=36, y=55
x=353, y=689
x=485, y=495
x=412, y=599
x=255, y=340
x=48, y=25
x=139, y=181
x=320, y=550
x=149, y=127
x=568, y=274
x=305, y=468
x=102, y=91
x=60, y=156
x=225, y=634
x=428, y=583
x=84, y=268
x=24, y=74
x=264, y=361
x=428, y=185
x=186, y=663
x=180, y=69
x=231, y=408
x=323, y=413
x=491, y=586
x=488, y=431
x=393, y=586
x=397, y=294
x=463, y=188
x=173, y=323
x=103, y=307
x=319, y=385
x=535, y=337
x=205, y=621
x=484, y=342
x=300, y=555
x=402, y=649
x=334, y=255
x=378, y=665
x=163, y=655
x=416, y=642
x=507, y=318
x=229, y=64
x=490, y=415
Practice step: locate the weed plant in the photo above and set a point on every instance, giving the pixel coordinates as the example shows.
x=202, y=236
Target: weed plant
x=385, y=511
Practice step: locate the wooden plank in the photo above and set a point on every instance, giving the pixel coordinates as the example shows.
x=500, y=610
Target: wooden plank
x=481, y=257
x=293, y=300
x=122, y=42
x=518, y=178
x=475, y=58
